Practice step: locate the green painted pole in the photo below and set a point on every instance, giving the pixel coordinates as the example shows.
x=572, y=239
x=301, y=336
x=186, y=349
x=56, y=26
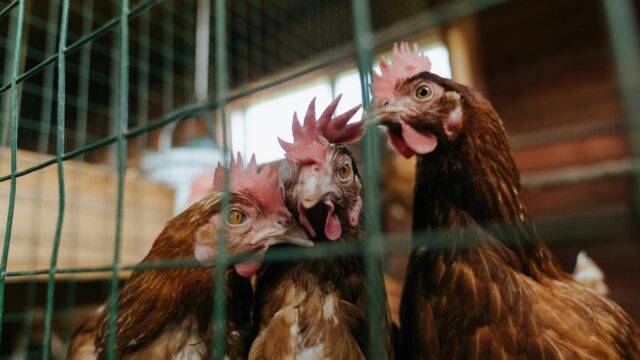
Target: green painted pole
x=61, y=194
x=625, y=44
x=220, y=264
x=13, y=119
x=121, y=121
x=373, y=247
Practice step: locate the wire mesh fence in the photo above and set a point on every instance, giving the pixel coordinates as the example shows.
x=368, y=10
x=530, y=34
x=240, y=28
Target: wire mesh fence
x=95, y=87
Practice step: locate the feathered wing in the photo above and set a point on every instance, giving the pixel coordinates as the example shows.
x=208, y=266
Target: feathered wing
x=165, y=313
x=148, y=307
x=166, y=322
x=309, y=324
x=479, y=305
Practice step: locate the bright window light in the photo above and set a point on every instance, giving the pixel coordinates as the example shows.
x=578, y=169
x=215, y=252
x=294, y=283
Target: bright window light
x=255, y=130
x=348, y=84
x=440, y=64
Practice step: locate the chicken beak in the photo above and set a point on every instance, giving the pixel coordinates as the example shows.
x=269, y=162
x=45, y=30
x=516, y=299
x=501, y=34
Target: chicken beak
x=314, y=187
x=381, y=115
x=293, y=235
x=284, y=233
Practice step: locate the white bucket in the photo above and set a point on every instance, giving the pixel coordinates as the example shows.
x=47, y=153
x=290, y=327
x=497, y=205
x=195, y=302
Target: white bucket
x=178, y=167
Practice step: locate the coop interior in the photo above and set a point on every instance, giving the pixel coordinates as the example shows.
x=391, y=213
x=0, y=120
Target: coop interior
x=549, y=68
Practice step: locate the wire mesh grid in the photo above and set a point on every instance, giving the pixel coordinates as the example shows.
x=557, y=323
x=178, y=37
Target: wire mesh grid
x=143, y=55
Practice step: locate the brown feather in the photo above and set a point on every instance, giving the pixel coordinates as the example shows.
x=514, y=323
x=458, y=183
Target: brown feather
x=316, y=309
x=490, y=287
x=165, y=312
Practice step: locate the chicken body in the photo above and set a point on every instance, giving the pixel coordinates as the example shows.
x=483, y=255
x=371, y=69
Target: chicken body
x=483, y=285
x=166, y=313
x=315, y=309
x=311, y=310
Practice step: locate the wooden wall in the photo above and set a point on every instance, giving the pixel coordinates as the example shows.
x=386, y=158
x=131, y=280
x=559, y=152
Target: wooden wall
x=548, y=71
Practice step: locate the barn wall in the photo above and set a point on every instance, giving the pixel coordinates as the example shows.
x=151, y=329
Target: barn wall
x=549, y=73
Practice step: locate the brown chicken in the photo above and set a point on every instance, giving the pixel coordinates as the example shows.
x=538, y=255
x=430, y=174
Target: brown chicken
x=166, y=313
x=483, y=284
x=315, y=309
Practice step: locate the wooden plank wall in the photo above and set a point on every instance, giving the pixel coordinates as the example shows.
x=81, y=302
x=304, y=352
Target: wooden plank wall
x=88, y=231
x=548, y=71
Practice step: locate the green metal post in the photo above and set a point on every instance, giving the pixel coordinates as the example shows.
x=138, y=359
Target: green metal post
x=13, y=119
x=371, y=159
x=625, y=42
x=61, y=200
x=121, y=122
x=5, y=106
x=220, y=264
x=43, y=147
x=82, y=115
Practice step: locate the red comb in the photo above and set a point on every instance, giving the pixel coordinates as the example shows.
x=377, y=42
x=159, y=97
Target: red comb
x=406, y=62
x=310, y=140
x=262, y=185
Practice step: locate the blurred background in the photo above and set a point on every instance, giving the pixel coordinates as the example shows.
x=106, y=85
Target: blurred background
x=547, y=66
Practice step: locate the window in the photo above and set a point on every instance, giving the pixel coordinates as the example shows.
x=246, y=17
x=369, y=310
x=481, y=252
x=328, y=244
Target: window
x=254, y=127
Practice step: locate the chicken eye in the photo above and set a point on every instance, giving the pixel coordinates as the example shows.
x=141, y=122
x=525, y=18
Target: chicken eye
x=345, y=171
x=423, y=92
x=235, y=217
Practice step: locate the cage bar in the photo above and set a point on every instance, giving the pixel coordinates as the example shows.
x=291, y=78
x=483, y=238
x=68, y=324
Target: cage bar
x=5, y=106
x=371, y=159
x=104, y=28
x=121, y=153
x=13, y=118
x=43, y=146
x=624, y=39
x=9, y=7
x=623, y=31
x=61, y=197
x=221, y=261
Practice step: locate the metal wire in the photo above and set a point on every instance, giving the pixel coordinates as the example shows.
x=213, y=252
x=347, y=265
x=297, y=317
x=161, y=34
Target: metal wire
x=43, y=146
x=626, y=56
x=13, y=118
x=371, y=160
x=362, y=50
x=109, y=25
x=9, y=7
x=121, y=150
x=623, y=31
x=190, y=110
x=394, y=243
x=221, y=261
x=61, y=199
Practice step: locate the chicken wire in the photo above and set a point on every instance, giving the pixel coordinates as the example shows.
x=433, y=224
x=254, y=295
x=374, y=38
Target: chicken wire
x=129, y=26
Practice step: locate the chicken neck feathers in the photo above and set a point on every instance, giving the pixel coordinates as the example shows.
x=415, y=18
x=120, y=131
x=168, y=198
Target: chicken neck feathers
x=315, y=309
x=494, y=290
